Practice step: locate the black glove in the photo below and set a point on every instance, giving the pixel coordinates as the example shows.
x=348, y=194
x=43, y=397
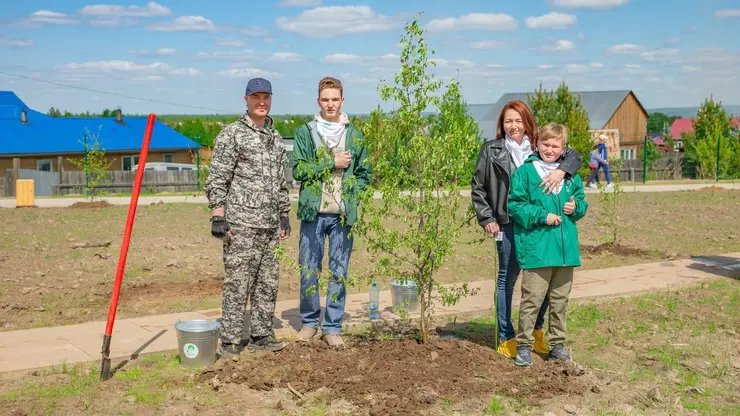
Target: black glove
x=285, y=225
x=219, y=226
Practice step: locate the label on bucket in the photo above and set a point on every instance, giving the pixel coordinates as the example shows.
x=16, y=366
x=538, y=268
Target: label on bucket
x=190, y=350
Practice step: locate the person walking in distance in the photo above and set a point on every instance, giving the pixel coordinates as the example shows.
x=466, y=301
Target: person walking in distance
x=248, y=195
x=604, y=163
x=327, y=207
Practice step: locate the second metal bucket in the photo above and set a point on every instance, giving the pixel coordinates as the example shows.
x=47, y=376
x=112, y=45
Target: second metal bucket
x=405, y=295
x=197, y=341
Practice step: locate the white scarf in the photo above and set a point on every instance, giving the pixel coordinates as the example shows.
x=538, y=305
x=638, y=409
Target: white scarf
x=519, y=152
x=329, y=131
x=543, y=168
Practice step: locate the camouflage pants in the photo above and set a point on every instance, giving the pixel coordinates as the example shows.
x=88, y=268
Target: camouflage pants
x=252, y=273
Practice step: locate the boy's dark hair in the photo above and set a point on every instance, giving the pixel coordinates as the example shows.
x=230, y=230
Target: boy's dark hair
x=329, y=82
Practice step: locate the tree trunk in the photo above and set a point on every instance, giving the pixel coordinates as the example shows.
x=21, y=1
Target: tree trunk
x=423, y=304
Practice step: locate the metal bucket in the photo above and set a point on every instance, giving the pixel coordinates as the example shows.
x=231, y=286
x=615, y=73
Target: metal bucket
x=405, y=295
x=196, y=341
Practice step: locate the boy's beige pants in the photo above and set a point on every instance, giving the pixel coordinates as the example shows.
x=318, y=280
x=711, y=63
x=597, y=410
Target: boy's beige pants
x=555, y=282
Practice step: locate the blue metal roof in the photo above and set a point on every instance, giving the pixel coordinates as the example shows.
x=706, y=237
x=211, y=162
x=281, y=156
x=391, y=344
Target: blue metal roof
x=43, y=134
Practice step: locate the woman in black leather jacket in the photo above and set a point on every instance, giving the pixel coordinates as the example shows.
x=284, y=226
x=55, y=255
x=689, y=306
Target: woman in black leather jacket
x=516, y=139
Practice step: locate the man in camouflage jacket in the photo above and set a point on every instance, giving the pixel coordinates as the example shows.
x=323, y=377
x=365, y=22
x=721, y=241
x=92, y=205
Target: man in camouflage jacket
x=248, y=196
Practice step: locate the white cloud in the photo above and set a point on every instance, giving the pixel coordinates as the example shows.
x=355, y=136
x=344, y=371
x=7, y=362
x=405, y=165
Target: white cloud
x=552, y=20
x=187, y=72
x=185, y=24
x=16, y=43
x=440, y=61
x=351, y=78
x=299, y=3
x=45, y=17
x=248, y=73
x=150, y=78
x=464, y=63
x=112, y=23
x=329, y=22
x=491, y=44
x=625, y=49
x=255, y=31
x=659, y=54
x=652, y=79
x=588, y=4
x=544, y=66
x=597, y=65
x=223, y=55
x=479, y=21
x=672, y=41
x=576, y=68
x=231, y=42
x=727, y=13
x=156, y=52
x=115, y=66
x=285, y=57
x=340, y=58
x=562, y=46
x=687, y=68
x=152, y=9
x=494, y=66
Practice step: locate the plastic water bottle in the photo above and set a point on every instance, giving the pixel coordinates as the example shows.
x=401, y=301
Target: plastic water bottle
x=374, y=299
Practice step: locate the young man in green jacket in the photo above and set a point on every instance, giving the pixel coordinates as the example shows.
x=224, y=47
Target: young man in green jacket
x=330, y=161
x=546, y=233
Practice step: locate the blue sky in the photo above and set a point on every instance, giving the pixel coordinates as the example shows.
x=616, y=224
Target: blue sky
x=671, y=53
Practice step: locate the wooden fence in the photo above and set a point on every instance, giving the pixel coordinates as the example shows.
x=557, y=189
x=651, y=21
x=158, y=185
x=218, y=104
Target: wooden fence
x=668, y=167
x=123, y=181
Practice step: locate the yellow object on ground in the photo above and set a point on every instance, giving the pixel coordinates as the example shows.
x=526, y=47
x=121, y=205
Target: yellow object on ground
x=508, y=348
x=540, y=345
x=24, y=193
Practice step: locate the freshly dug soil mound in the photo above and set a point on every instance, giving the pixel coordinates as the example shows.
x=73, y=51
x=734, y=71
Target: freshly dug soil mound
x=95, y=204
x=398, y=377
x=616, y=249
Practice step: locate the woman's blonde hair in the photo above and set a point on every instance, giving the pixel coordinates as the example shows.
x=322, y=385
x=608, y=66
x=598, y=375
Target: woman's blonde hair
x=554, y=131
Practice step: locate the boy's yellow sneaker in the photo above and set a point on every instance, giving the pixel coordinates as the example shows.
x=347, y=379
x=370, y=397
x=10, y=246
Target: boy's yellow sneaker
x=540, y=345
x=507, y=348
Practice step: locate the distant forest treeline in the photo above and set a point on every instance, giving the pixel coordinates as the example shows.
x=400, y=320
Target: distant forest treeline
x=202, y=128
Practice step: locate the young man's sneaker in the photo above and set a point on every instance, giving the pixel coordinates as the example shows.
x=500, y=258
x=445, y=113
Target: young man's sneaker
x=523, y=357
x=558, y=353
x=229, y=351
x=307, y=333
x=334, y=340
x=267, y=343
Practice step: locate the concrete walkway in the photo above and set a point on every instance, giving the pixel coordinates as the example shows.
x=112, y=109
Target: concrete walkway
x=34, y=348
x=148, y=200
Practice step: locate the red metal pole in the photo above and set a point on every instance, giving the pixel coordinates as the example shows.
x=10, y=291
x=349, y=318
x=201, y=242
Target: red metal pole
x=105, y=363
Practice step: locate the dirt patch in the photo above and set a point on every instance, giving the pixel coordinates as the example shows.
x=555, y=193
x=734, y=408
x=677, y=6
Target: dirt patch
x=94, y=204
x=399, y=377
x=715, y=189
x=618, y=250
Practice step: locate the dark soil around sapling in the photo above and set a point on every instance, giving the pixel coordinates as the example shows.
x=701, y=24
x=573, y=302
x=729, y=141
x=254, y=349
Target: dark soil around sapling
x=398, y=377
x=94, y=204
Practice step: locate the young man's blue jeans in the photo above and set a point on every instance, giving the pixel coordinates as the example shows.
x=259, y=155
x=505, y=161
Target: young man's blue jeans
x=605, y=167
x=310, y=257
x=508, y=271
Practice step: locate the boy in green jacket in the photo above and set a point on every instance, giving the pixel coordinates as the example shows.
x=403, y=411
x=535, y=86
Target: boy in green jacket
x=546, y=233
x=330, y=161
